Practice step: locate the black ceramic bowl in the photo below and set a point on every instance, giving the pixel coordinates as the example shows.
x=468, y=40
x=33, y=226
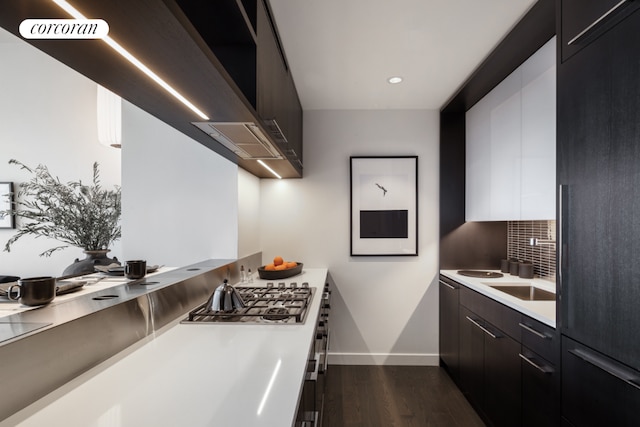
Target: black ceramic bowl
x=279, y=274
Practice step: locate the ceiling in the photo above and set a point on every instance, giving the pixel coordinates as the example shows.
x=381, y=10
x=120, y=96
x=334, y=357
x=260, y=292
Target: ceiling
x=341, y=52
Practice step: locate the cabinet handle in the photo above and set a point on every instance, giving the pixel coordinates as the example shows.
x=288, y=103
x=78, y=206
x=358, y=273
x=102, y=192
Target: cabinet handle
x=535, y=365
x=485, y=330
x=608, y=367
x=534, y=332
x=584, y=32
x=447, y=285
x=313, y=374
x=561, y=238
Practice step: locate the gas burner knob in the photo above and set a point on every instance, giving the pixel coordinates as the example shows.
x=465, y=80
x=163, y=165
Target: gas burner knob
x=281, y=285
x=305, y=285
x=270, y=285
x=293, y=285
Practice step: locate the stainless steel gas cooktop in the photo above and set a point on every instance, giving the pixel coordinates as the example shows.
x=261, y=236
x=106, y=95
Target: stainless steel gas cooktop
x=274, y=304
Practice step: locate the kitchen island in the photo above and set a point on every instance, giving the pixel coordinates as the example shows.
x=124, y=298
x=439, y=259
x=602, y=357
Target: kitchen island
x=192, y=374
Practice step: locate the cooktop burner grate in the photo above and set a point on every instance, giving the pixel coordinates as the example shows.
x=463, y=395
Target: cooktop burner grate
x=271, y=304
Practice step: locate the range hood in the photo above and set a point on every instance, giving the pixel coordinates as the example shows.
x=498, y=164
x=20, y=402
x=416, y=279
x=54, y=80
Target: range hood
x=245, y=139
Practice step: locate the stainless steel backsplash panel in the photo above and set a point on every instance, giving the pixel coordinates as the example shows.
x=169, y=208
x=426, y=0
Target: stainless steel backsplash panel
x=85, y=332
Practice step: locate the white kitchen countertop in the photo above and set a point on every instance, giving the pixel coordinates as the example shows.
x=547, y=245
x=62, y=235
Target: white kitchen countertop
x=543, y=311
x=192, y=375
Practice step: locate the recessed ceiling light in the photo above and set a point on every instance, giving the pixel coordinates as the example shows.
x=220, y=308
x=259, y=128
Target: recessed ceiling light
x=395, y=80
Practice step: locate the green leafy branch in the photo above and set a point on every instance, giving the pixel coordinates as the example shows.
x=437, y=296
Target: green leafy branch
x=86, y=216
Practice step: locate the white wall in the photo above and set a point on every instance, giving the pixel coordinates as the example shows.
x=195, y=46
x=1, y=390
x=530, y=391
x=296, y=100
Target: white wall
x=47, y=116
x=179, y=199
x=385, y=309
x=182, y=203
x=248, y=215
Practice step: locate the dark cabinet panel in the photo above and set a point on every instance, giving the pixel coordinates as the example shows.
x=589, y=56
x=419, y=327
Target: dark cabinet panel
x=449, y=326
x=490, y=370
x=505, y=318
x=272, y=71
x=294, y=123
x=599, y=170
x=502, y=379
x=540, y=338
x=277, y=99
x=596, y=390
x=583, y=21
x=540, y=391
x=471, y=358
x=226, y=27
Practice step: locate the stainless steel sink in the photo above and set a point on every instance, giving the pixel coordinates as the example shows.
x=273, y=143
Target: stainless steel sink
x=525, y=292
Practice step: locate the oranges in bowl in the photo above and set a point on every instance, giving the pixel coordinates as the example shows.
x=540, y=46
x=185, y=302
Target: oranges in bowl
x=279, y=269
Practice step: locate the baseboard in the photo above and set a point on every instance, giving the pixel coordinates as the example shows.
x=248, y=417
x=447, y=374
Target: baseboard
x=391, y=359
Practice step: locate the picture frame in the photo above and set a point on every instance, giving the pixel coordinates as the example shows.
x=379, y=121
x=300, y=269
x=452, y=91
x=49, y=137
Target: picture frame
x=6, y=205
x=384, y=205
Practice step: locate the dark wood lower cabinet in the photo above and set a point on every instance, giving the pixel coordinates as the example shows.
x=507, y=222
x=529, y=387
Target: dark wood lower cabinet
x=449, y=325
x=471, y=367
x=490, y=370
x=502, y=379
x=597, y=390
x=508, y=363
x=540, y=391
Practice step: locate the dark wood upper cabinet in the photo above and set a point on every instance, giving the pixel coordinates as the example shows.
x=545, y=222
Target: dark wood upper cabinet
x=583, y=21
x=278, y=103
x=243, y=36
x=206, y=50
x=228, y=29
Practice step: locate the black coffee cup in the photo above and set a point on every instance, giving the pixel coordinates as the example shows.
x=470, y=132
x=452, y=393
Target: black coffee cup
x=33, y=290
x=135, y=269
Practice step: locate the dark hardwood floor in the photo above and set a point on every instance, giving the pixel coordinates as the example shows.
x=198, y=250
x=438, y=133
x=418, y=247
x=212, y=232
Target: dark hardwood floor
x=398, y=396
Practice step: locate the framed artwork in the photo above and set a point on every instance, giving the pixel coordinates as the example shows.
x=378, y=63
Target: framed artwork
x=7, y=220
x=384, y=205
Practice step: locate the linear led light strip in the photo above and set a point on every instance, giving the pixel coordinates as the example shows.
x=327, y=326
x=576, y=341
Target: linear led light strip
x=264, y=165
x=125, y=54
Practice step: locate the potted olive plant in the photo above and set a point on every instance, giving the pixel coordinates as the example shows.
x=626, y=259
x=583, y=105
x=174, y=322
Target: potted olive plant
x=75, y=214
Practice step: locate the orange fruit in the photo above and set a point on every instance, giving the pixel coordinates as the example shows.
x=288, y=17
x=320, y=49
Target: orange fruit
x=270, y=267
x=281, y=267
x=278, y=260
x=291, y=264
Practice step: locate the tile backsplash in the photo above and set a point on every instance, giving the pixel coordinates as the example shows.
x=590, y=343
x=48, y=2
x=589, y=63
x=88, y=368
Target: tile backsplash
x=543, y=256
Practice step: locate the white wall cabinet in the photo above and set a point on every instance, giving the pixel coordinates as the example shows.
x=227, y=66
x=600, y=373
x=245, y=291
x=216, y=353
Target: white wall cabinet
x=510, y=154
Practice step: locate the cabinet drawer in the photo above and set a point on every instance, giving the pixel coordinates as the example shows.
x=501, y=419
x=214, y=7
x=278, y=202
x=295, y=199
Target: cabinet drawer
x=540, y=391
x=540, y=338
x=597, y=390
x=499, y=315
